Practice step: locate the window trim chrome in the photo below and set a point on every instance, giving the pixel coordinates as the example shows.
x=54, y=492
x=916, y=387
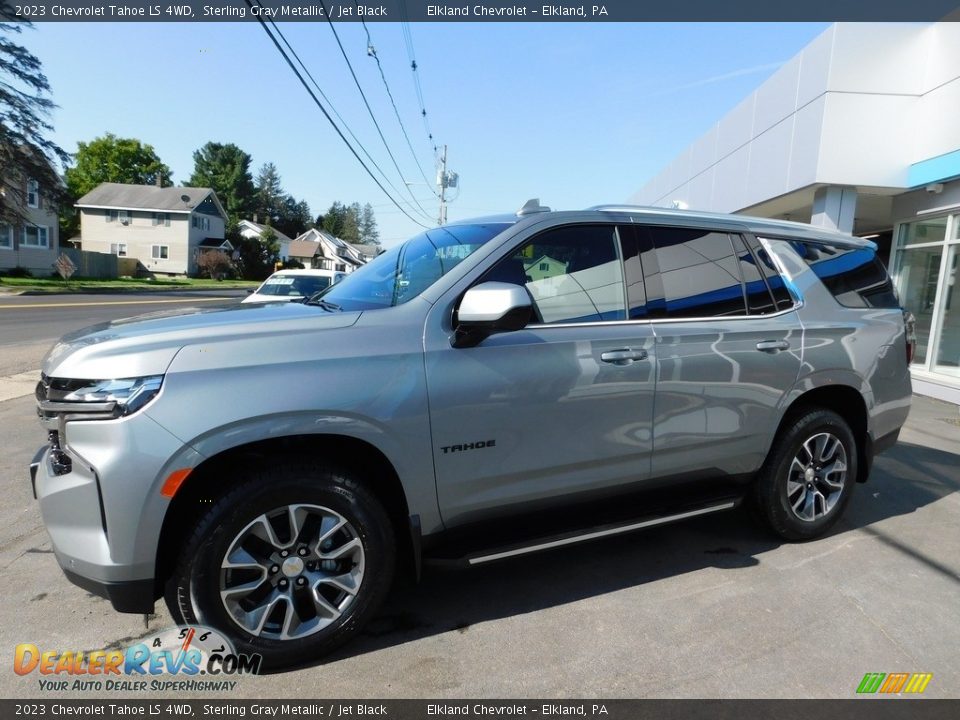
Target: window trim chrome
x=660, y=321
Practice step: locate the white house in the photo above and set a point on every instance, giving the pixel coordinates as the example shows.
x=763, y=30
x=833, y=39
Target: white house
x=166, y=229
x=321, y=250
x=254, y=231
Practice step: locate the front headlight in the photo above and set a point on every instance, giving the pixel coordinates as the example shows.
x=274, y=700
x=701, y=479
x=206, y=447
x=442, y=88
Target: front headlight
x=100, y=399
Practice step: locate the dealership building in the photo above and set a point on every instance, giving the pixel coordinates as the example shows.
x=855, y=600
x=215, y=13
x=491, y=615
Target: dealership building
x=860, y=131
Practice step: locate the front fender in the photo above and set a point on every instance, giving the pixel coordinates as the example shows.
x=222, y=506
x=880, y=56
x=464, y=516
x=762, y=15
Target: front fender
x=416, y=478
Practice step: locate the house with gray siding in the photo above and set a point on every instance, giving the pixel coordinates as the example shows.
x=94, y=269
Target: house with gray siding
x=166, y=229
x=32, y=243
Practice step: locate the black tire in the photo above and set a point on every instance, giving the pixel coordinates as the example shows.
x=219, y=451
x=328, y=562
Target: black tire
x=193, y=590
x=773, y=503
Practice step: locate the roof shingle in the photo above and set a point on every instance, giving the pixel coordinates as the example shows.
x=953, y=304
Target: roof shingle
x=144, y=197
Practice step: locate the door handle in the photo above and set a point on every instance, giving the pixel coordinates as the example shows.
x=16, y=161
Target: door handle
x=623, y=357
x=772, y=345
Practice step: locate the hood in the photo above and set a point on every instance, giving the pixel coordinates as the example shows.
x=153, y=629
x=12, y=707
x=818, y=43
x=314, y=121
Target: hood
x=147, y=344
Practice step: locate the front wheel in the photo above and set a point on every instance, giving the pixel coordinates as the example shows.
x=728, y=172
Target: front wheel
x=289, y=564
x=808, y=477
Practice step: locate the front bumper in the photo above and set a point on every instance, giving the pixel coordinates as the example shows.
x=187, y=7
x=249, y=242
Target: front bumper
x=130, y=596
x=100, y=502
x=72, y=510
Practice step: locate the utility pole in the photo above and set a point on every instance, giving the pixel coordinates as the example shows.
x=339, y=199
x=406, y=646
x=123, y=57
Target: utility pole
x=445, y=180
x=442, y=182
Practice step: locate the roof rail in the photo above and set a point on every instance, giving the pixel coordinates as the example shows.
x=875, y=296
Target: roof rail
x=640, y=208
x=532, y=206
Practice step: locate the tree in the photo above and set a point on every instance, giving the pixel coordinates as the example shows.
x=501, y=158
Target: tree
x=369, y=234
x=115, y=159
x=25, y=153
x=275, y=207
x=226, y=169
x=269, y=193
x=343, y=221
x=256, y=257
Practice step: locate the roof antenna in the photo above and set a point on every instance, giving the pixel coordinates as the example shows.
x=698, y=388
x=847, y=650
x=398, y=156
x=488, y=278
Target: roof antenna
x=532, y=206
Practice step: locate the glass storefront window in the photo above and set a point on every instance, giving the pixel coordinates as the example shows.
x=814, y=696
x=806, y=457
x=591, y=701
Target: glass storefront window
x=919, y=271
x=948, y=349
x=924, y=231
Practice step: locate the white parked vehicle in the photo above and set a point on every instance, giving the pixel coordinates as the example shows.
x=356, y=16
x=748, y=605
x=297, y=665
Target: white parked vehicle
x=286, y=285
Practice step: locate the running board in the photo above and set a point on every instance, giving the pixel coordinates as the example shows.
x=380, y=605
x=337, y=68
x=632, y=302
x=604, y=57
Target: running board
x=557, y=541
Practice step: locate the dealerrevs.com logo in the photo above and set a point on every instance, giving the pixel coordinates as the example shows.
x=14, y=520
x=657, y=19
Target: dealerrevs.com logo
x=198, y=657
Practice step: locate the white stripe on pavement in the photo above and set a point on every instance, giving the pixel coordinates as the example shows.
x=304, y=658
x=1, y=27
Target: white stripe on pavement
x=14, y=386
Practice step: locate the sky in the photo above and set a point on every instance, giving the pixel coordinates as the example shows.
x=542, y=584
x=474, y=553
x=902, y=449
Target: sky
x=576, y=114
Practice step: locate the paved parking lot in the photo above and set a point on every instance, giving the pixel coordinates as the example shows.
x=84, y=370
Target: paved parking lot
x=710, y=608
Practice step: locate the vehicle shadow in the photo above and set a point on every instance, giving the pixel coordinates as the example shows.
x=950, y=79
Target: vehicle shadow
x=909, y=477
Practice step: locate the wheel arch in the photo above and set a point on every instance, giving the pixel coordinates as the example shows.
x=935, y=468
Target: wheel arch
x=846, y=401
x=217, y=473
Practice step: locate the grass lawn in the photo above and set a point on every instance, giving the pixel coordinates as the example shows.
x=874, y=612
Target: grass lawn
x=82, y=285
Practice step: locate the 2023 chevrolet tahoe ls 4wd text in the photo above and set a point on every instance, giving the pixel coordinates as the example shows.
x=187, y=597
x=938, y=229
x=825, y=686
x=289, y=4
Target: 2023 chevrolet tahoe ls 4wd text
x=554, y=376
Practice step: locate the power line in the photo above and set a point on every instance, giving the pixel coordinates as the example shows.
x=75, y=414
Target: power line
x=411, y=55
x=367, y=104
x=372, y=52
x=330, y=119
x=333, y=109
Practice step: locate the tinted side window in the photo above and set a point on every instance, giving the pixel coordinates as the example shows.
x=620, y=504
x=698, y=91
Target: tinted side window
x=759, y=299
x=699, y=272
x=573, y=274
x=778, y=288
x=855, y=276
x=644, y=288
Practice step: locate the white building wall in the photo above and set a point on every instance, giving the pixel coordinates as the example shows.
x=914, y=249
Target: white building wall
x=857, y=106
x=139, y=235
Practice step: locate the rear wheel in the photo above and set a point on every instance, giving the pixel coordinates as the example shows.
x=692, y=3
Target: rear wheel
x=289, y=564
x=807, y=479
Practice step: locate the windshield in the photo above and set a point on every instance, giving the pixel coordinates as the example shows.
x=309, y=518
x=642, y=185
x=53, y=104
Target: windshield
x=403, y=272
x=293, y=285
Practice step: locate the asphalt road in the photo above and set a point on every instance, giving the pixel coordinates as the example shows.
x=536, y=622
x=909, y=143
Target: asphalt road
x=29, y=324
x=714, y=607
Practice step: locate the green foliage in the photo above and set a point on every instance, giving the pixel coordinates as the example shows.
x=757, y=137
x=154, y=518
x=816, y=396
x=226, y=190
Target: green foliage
x=341, y=221
x=226, y=169
x=352, y=223
x=25, y=152
x=114, y=159
x=256, y=258
x=269, y=192
x=369, y=234
x=275, y=207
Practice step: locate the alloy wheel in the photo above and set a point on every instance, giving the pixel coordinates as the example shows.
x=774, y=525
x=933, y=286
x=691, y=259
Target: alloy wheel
x=817, y=476
x=292, y=572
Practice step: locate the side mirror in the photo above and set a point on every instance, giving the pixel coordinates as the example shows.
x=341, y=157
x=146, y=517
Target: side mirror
x=489, y=308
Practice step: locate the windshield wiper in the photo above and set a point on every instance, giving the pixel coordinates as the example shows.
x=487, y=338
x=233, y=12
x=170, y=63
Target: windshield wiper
x=320, y=302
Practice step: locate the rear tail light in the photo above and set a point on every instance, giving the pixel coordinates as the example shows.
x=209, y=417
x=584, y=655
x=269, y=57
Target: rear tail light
x=910, y=329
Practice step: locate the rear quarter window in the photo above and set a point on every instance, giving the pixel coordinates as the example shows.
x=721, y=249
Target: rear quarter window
x=854, y=276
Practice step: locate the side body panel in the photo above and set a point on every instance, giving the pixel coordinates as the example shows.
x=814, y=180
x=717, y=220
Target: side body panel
x=862, y=348
x=719, y=398
x=562, y=420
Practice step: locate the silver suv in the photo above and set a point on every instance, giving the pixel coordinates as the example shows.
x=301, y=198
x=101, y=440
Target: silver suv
x=565, y=375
